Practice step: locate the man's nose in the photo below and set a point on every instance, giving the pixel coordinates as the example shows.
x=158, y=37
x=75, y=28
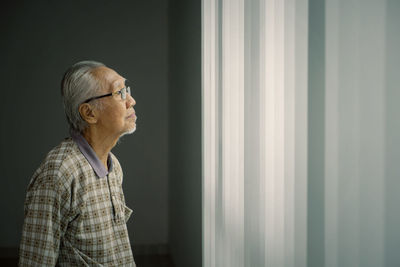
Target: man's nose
x=130, y=101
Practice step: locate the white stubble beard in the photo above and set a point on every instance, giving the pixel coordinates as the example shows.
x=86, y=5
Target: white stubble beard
x=131, y=131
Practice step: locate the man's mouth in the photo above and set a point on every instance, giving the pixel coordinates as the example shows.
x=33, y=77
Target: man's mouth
x=133, y=115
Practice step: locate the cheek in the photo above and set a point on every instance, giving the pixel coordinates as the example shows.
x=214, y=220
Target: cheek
x=118, y=115
x=114, y=115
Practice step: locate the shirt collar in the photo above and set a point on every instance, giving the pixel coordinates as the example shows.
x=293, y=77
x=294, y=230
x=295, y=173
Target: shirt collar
x=91, y=156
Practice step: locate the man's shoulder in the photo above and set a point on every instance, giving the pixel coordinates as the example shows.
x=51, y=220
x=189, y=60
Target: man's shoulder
x=59, y=162
x=64, y=154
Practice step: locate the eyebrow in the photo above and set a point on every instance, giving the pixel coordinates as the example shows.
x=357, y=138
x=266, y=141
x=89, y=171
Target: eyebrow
x=116, y=83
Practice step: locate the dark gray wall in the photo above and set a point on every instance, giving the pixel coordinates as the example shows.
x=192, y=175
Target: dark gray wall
x=39, y=40
x=185, y=223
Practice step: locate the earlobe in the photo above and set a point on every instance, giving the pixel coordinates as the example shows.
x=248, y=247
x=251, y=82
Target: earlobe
x=87, y=113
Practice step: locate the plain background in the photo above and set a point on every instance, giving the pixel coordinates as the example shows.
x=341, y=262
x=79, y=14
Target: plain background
x=157, y=46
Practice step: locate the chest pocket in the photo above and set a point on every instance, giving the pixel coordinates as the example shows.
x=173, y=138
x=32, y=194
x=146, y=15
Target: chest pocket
x=121, y=212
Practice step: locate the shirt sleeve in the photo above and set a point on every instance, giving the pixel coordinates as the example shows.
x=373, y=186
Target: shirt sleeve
x=46, y=211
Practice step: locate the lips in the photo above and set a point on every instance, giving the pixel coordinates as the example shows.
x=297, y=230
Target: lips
x=133, y=115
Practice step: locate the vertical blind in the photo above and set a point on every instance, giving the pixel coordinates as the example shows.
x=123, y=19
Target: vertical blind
x=300, y=133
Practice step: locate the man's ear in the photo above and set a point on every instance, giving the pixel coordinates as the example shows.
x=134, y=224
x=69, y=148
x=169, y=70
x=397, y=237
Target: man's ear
x=88, y=113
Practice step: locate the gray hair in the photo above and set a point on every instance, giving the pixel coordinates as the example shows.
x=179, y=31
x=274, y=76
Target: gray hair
x=79, y=84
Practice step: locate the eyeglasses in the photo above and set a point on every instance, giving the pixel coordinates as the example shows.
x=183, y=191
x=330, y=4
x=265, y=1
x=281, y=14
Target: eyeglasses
x=121, y=92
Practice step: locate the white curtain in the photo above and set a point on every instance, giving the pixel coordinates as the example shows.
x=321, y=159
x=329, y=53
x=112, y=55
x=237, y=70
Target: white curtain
x=298, y=110
x=255, y=132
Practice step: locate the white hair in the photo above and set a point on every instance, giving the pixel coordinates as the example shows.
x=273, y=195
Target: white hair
x=78, y=85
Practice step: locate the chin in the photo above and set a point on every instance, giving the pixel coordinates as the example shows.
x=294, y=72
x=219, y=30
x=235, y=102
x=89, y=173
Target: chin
x=130, y=131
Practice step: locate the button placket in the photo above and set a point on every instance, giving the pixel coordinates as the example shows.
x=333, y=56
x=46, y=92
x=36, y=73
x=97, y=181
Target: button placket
x=117, y=209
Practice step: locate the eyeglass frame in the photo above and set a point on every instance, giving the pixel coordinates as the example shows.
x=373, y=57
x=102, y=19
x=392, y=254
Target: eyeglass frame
x=126, y=88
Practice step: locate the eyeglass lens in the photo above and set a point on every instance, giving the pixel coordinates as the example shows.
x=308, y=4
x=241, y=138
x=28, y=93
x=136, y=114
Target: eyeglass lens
x=124, y=91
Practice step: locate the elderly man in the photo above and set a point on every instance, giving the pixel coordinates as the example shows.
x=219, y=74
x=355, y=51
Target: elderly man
x=75, y=212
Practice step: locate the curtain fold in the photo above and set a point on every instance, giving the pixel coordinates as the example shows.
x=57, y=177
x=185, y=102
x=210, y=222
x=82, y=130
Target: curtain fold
x=255, y=132
x=299, y=133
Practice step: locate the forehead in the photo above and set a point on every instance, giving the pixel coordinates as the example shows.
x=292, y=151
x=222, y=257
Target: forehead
x=109, y=78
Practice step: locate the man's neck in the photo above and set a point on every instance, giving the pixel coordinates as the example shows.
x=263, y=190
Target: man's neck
x=100, y=143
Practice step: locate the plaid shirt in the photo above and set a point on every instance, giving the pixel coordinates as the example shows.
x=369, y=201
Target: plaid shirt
x=74, y=217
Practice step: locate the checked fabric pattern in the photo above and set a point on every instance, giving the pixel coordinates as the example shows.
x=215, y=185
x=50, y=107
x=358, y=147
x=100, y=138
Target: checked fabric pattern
x=73, y=217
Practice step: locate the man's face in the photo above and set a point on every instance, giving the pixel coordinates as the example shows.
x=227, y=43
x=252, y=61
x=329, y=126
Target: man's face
x=117, y=116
